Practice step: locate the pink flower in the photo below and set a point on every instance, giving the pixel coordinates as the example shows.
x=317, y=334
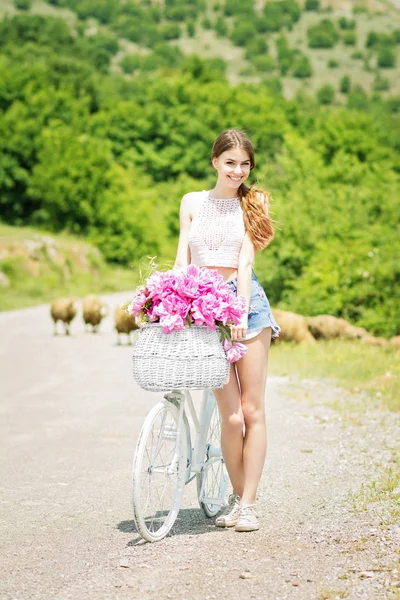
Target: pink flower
x=197, y=295
x=204, y=309
x=137, y=304
x=234, y=350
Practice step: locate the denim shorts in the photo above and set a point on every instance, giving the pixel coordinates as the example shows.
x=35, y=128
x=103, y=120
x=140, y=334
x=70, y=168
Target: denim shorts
x=260, y=314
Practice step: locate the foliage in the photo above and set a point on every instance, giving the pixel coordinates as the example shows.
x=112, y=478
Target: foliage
x=345, y=84
x=23, y=4
x=323, y=34
x=109, y=157
x=386, y=57
x=346, y=23
x=326, y=94
x=312, y=5
x=280, y=13
x=302, y=67
x=349, y=38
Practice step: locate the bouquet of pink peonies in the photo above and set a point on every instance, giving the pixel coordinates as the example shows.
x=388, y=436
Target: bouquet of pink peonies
x=196, y=296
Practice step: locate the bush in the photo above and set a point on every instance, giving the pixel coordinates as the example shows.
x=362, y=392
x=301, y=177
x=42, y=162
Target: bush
x=191, y=28
x=170, y=31
x=242, y=33
x=130, y=63
x=312, y=5
x=357, y=55
x=281, y=13
x=349, y=38
x=265, y=64
x=346, y=23
x=332, y=63
x=357, y=99
x=375, y=39
x=23, y=4
x=345, y=84
x=322, y=35
x=386, y=57
x=285, y=54
x=381, y=84
x=238, y=8
x=221, y=27
x=302, y=67
x=206, y=23
x=326, y=94
x=255, y=47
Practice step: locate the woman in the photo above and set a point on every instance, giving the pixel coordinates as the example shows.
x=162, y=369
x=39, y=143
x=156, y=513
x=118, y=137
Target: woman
x=222, y=229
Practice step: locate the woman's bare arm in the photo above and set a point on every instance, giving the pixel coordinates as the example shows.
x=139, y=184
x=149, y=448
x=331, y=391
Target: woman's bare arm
x=182, y=259
x=245, y=267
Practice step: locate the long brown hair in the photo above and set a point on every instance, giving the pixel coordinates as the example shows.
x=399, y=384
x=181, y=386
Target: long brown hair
x=254, y=201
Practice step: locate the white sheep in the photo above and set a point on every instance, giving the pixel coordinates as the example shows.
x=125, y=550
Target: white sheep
x=93, y=311
x=294, y=327
x=124, y=323
x=64, y=310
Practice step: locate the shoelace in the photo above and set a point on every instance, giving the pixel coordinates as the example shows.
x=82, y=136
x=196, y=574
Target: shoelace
x=248, y=511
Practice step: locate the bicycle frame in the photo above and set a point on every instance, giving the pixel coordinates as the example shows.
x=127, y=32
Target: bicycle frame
x=195, y=462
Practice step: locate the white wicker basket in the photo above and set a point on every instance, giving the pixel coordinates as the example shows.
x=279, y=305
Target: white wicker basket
x=192, y=358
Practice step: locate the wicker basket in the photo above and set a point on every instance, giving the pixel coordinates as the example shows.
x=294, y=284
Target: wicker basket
x=192, y=358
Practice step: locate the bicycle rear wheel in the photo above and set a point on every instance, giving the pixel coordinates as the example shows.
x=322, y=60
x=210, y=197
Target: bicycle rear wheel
x=159, y=471
x=213, y=480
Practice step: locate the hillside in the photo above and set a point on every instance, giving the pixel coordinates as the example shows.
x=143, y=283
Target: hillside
x=37, y=267
x=214, y=31
x=107, y=156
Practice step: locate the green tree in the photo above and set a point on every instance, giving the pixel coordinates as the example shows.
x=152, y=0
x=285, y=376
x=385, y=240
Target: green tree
x=349, y=38
x=326, y=94
x=302, y=66
x=312, y=5
x=322, y=35
x=23, y=4
x=345, y=84
x=386, y=57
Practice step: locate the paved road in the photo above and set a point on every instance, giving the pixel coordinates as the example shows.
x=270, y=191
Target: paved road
x=70, y=416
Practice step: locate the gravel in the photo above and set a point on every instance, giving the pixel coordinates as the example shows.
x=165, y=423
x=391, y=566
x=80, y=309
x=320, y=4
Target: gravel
x=70, y=417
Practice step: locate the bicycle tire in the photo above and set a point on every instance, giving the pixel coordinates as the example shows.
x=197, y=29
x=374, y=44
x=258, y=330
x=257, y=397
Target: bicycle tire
x=159, y=465
x=213, y=480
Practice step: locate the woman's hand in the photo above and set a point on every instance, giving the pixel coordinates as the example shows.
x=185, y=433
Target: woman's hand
x=238, y=332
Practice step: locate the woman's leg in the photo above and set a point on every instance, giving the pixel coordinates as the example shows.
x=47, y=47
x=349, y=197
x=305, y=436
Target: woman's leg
x=252, y=373
x=228, y=399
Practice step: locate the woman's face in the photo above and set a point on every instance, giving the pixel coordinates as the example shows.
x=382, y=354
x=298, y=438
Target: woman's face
x=233, y=167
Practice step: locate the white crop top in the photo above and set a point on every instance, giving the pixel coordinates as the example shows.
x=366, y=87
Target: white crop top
x=217, y=232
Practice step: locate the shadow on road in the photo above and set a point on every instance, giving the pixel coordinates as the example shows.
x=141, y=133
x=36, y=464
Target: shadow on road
x=190, y=521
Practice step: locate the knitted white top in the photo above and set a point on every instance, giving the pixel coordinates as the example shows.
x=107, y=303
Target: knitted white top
x=217, y=232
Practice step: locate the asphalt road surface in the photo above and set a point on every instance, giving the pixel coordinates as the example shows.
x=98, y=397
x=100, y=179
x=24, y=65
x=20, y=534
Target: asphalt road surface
x=70, y=417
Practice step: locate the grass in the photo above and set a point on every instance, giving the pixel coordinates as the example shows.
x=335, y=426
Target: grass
x=370, y=371
x=382, y=494
x=38, y=267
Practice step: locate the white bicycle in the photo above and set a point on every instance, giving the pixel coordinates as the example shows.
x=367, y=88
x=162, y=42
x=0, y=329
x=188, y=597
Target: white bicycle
x=165, y=461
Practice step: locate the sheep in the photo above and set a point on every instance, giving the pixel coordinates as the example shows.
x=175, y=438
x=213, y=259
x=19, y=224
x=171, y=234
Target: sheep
x=327, y=327
x=63, y=309
x=124, y=323
x=93, y=311
x=293, y=327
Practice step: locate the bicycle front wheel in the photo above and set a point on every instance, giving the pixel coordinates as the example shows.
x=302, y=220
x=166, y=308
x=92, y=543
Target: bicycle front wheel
x=159, y=472
x=213, y=480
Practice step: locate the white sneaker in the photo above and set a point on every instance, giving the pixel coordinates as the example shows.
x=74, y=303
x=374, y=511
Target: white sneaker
x=230, y=518
x=248, y=519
